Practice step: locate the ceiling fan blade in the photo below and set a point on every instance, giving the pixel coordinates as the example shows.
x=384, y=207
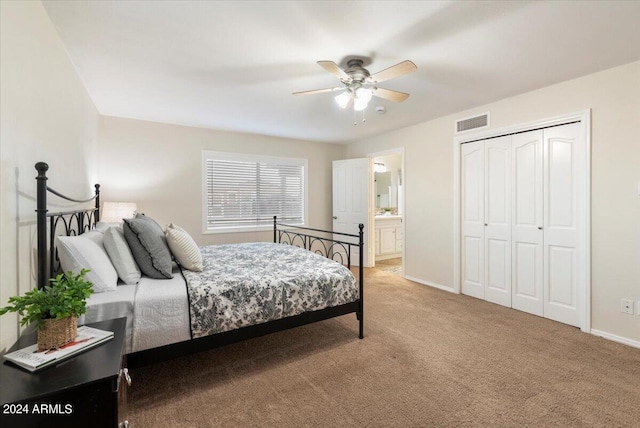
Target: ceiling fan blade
x=390, y=95
x=334, y=69
x=397, y=70
x=318, y=91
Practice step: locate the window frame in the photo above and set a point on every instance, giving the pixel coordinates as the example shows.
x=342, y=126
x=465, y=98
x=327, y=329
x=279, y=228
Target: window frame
x=245, y=157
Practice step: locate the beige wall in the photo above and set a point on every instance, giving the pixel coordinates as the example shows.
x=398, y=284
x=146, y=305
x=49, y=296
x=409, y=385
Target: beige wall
x=48, y=116
x=614, y=99
x=159, y=167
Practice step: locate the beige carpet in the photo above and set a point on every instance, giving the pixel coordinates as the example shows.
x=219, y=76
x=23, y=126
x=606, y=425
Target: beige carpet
x=429, y=358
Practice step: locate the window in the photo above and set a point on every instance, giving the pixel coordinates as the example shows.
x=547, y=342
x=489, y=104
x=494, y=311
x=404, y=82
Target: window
x=244, y=192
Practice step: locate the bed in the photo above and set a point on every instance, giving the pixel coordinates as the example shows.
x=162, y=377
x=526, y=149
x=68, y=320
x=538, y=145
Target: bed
x=243, y=291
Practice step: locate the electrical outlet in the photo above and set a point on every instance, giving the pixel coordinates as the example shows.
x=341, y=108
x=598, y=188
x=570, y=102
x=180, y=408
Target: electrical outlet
x=626, y=306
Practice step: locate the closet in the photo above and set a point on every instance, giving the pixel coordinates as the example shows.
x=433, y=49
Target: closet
x=522, y=225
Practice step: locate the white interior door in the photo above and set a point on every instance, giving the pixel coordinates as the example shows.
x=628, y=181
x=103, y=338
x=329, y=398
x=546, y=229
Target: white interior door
x=527, y=225
x=497, y=220
x=472, y=215
x=351, y=202
x=562, y=197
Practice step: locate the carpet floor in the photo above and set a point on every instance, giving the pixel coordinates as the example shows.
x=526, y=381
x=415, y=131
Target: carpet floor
x=429, y=359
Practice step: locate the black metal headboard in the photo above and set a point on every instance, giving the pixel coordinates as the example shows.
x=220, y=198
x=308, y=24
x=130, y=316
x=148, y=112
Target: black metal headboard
x=74, y=222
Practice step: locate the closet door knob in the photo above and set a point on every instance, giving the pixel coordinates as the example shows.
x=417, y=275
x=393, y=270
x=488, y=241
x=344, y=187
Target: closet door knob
x=539, y=227
x=486, y=224
x=335, y=217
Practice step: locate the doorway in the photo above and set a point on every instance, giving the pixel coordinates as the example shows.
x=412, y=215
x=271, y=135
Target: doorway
x=387, y=211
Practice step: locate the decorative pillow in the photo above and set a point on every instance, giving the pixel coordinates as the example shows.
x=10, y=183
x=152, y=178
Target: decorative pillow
x=184, y=248
x=148, y=246
x=81, y=252
x=120, y=255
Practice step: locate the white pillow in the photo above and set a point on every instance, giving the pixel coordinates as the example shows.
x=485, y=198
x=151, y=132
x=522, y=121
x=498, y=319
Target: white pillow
x=81, y=252
x=120, y=255
x=184, y=248
x=101, y=227
x=96, y=236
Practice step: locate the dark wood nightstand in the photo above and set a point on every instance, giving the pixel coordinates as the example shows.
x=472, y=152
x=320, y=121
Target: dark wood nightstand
x=88, y=390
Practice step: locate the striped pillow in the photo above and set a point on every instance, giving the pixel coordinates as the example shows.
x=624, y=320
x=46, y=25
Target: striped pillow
x=184, y=248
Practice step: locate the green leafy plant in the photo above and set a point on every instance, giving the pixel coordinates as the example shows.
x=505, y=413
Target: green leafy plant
x=66, y=296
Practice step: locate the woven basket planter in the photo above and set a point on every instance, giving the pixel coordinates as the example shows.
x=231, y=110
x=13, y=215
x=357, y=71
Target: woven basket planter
x=57, y=332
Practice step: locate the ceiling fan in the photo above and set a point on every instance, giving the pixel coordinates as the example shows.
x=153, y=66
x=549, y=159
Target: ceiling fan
x=360, y=85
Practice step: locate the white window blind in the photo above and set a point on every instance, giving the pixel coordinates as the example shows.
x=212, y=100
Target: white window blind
x=245, y=191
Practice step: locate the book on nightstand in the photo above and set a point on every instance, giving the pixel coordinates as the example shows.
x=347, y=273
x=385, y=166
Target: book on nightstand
x=30, y=359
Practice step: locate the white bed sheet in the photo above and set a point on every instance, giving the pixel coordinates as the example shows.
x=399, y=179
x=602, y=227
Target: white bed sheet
x=113, y=304
x=157, y=311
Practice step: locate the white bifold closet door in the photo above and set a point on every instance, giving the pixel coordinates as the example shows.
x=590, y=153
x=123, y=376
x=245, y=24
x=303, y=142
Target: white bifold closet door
x=486, y=220
x=497, y=220
x=521, y=241
x=528, y=219
x=565, y=190
x=472, y=216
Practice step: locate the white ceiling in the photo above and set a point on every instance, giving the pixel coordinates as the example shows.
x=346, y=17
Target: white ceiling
x=233, y=64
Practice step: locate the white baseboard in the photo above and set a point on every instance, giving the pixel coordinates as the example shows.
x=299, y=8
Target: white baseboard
x=615, y=338
x=430, y=284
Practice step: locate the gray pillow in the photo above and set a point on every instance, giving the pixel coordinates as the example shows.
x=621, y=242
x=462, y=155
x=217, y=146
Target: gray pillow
x=149, y=246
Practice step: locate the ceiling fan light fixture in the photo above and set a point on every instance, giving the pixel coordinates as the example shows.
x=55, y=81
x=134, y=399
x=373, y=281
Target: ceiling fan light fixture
x=359, y=105
x=355, y=77
x=343, y=99
x=364, y=95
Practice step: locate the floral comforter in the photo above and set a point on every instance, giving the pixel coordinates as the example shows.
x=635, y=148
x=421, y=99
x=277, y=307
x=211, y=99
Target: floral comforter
x=247, y=284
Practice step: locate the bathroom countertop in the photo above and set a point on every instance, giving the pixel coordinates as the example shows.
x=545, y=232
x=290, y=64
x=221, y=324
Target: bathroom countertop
x=389, y=217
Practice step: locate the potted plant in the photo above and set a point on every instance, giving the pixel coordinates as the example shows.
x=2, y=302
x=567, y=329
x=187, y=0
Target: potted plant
x=55, y=308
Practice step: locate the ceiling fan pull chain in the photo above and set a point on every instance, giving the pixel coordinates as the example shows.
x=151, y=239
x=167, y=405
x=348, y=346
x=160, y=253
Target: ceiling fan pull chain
x=355, y=123
x=363, y=118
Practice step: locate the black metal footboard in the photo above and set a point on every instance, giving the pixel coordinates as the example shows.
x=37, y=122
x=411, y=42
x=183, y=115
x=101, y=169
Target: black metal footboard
x=332, y=245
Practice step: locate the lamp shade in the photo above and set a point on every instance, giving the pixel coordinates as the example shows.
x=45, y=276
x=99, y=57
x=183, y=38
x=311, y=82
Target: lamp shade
x=343, y=99
x=114, y=212
x=359, y=105
x=364, y=94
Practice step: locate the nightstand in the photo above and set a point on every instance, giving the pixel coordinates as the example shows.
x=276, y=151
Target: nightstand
x=88, y=389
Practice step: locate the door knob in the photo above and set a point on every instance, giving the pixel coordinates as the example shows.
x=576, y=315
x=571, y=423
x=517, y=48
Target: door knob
x=539, y=227
x=335, y=217
x=486, y=224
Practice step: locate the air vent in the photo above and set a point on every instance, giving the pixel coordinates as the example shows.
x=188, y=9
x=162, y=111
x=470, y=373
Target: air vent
x=471, y=123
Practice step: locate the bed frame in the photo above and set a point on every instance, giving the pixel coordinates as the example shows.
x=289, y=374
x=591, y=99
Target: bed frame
x=333, y=245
